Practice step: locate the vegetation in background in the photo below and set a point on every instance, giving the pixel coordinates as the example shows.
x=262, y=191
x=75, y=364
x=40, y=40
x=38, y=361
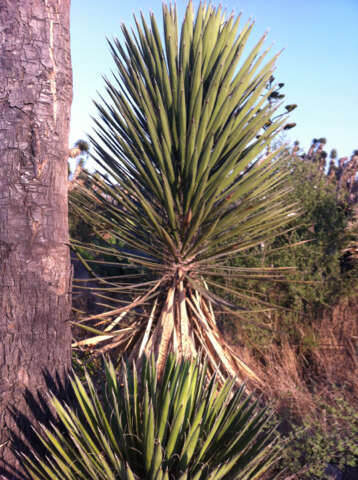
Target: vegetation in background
x=317, y=248
x=307, y=349
x=329, y=439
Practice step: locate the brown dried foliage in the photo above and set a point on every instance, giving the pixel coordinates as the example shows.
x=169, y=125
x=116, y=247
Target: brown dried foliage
x=292, y=375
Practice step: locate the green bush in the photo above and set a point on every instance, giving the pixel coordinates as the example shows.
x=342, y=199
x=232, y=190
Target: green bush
x=331, y=438
x=178, y=427
x=314, y=248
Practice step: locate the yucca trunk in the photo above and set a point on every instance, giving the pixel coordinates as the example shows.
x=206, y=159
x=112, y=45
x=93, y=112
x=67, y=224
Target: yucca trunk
x=185, y=323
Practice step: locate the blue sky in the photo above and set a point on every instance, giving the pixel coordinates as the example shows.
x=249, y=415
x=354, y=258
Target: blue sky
x=319, y=65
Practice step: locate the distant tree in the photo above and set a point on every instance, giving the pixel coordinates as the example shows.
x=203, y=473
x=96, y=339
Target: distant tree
x=80, y=152
x=343, y=175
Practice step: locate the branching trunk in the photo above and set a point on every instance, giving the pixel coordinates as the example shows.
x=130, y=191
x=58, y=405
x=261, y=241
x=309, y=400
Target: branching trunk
x=35, y=100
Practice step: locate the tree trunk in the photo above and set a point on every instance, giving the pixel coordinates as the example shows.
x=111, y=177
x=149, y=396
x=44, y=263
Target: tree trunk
x=35, y=272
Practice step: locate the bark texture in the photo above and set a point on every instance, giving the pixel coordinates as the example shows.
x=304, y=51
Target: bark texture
x=35, y=101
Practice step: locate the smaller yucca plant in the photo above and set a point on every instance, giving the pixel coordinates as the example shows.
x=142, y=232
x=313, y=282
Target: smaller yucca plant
x=180, y=427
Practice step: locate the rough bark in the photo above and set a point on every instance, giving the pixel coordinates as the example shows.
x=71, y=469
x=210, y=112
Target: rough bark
x=35, y=100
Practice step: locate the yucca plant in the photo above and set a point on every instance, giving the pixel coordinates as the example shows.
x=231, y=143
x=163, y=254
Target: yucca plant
x=179, y=427
x=189, y=181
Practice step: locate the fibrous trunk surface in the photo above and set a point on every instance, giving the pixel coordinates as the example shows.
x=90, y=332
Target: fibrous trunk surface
x=35, y=100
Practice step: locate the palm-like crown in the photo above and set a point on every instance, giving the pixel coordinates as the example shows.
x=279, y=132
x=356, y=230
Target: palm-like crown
x=189, y=181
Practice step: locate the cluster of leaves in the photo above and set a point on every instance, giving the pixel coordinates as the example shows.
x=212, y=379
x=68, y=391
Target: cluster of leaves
x=178, y=427
x=330, y=439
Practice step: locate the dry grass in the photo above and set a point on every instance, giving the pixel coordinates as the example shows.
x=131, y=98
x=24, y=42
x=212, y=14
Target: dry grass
x=292, y=375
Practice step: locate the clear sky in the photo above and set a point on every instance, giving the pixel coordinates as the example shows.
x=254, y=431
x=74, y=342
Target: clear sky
x=319, y=65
